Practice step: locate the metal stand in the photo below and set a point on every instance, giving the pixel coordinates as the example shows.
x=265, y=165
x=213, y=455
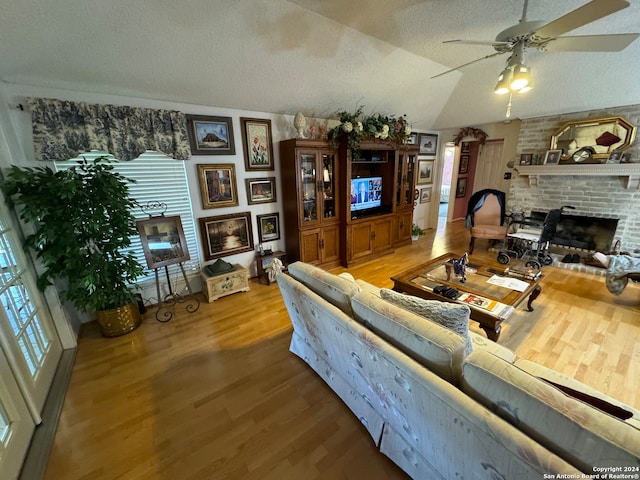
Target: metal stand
x=164, y=313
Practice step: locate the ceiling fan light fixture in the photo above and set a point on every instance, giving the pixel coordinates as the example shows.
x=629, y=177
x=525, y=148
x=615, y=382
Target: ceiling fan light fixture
x=526, y=89
x=521, y=78
x=504, y=80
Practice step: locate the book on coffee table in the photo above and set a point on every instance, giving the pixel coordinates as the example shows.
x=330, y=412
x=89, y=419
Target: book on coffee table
x=496, y=308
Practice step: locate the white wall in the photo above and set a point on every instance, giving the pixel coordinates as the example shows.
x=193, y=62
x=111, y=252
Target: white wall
x=18, y=128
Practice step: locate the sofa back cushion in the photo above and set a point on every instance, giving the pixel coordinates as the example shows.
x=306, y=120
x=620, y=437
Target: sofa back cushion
x=449, y=315
x=583, y=392
x=579, y=433
x=437, y=348
x=334, y=289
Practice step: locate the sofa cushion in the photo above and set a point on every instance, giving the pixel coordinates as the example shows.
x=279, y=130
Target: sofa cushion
x=450, y=315
x=481, y=341
x=577, y=432
x=584, y=391
x=368, y=287
x=439, y=349
x=334, y=289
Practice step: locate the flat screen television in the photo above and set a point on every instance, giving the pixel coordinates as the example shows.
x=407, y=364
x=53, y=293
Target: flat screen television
x=366, y=193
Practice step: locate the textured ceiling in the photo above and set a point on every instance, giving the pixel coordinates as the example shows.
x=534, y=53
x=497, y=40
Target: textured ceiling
x=318, y=56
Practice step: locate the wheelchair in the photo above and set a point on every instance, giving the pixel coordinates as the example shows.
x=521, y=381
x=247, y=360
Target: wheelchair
x=528, y=241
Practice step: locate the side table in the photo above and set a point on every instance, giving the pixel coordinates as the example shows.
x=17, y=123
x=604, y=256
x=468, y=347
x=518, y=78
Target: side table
x=261, y=260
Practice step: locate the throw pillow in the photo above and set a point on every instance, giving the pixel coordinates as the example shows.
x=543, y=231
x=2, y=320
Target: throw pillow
x=450, y=315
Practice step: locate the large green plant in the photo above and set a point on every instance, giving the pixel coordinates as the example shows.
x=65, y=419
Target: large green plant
x=83, y=220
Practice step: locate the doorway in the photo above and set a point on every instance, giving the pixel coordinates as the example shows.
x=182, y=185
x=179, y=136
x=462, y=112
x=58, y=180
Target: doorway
x=445, y=184
x=489, y=166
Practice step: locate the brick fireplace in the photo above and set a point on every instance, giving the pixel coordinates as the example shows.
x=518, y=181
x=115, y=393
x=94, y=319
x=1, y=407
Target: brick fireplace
x=609, y=192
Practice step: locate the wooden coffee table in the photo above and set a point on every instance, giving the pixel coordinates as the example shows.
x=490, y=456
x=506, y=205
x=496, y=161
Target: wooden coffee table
x=490, y=304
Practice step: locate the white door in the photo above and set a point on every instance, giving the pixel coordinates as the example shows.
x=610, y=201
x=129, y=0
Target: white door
x=30, y=350
x=16, y=424
x=489, y=166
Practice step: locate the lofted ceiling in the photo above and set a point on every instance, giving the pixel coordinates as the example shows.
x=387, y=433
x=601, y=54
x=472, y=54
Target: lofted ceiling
x=318, y=56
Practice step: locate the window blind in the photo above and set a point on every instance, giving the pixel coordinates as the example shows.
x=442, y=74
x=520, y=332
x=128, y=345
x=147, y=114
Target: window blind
x=158, y=179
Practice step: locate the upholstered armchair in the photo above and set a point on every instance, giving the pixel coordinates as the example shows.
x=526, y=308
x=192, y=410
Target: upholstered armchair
x=485, y=216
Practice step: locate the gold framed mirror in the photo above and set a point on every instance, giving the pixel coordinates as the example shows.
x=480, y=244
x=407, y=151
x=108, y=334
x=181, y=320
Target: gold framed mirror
x=603, y=135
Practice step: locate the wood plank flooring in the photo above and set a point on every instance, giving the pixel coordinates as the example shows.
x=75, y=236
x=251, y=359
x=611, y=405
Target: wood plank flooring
x=217, y=395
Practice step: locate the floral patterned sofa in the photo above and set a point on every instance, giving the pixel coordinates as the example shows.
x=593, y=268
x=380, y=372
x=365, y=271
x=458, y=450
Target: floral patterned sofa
x=442, y=408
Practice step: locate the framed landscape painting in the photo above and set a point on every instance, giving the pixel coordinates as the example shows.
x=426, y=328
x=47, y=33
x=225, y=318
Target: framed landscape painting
x=226, y=235
x=428, y=143
x=425, y=172
x=257, y=144
x=425, y=195
x=210, y=135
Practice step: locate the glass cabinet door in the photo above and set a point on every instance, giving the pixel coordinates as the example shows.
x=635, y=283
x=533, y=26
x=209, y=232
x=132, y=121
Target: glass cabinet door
x=405, y=175
x=400, y=180
x=328, y=185
x=409, y=179
x=308, y=163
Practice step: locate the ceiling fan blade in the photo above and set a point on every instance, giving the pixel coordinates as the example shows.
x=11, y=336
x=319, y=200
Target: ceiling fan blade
x=468, y=63
x=476, y=42
x=587, y=13
x=591, y=43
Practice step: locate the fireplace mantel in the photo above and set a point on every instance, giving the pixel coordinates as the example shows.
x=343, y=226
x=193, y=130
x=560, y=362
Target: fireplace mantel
x=629, y=171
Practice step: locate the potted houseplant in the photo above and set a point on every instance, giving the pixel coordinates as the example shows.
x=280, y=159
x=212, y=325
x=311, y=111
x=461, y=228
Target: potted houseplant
x=82, y=221
x=416, y=231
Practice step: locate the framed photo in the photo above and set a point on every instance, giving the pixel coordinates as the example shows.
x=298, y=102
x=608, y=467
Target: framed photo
x=218, y=185
x=210, y=135
x=260, y=190
x=526, y=158
x=257, y=144
x=461, y=187
x=163, y=241
x=552, y=157
x=428, y=143
x=413, y=138
x=268, y=227
x=464, y=164
x=226, y=235
x=615, y=157
x=425, y=172
x=466, y=147
x=425, y=195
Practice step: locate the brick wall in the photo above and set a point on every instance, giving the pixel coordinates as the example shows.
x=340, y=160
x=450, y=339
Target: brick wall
x=605, y=196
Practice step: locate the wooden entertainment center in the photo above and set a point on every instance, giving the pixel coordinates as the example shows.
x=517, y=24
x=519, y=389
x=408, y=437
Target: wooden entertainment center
x=341, y=211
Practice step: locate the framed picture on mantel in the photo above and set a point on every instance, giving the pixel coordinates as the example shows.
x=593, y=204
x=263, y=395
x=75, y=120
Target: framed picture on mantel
x=552, y=157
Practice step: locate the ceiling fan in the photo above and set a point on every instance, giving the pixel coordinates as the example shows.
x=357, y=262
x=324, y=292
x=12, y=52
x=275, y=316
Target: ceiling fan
x=546, y=36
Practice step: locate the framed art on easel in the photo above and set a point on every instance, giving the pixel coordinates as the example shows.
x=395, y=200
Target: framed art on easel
x=163, y=241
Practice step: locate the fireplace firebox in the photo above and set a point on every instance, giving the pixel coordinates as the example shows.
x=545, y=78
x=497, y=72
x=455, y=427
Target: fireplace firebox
x=582, y=232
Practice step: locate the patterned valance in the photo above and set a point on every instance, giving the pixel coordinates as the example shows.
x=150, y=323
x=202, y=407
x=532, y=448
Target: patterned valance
x=64, y=130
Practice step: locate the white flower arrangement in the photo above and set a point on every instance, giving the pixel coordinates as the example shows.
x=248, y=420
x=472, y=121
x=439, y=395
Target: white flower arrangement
x=356, y=127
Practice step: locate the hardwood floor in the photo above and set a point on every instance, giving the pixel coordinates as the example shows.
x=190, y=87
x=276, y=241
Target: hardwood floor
x=217, y=394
